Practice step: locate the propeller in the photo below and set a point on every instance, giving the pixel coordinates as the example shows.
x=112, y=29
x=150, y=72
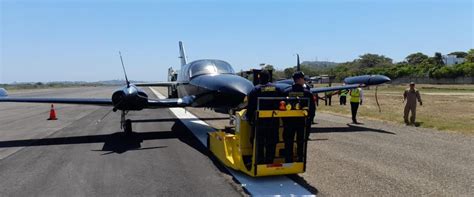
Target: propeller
x=298, y=65
x=124, y=72
x=114, y=109
x=103, y=117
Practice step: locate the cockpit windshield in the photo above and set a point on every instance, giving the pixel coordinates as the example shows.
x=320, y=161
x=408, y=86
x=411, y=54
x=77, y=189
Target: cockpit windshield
x=201, y=67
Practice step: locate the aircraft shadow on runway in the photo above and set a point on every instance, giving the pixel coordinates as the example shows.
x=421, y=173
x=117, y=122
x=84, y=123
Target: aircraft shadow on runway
x=117, y=142
x=349, y=128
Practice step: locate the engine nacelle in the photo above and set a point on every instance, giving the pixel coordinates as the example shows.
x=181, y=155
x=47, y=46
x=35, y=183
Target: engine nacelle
x=130, y=99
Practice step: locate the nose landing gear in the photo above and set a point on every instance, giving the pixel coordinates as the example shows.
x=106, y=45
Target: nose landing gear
x=125, y=124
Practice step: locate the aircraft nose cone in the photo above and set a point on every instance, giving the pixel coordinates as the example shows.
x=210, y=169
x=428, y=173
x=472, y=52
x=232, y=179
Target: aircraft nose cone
x=225, y=83
x=227, y=89
x=235, y=85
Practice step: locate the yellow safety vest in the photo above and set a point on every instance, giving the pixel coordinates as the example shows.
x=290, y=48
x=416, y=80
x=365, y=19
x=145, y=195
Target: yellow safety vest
x=344, y=92
x=355, y=95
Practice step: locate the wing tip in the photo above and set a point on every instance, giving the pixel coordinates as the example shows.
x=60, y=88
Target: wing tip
x=3, y=92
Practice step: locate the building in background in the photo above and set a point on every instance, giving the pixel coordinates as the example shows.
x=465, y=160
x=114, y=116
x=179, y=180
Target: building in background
x=452, y=60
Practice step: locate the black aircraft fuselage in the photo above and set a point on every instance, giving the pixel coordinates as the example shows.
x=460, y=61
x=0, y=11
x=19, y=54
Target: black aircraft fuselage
x=213, y=83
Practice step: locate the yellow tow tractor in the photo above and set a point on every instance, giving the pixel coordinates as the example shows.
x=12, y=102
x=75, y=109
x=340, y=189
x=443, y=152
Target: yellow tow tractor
x=235, y=147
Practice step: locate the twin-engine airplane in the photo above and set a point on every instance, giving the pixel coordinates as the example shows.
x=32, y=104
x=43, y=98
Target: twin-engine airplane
x=206, y=83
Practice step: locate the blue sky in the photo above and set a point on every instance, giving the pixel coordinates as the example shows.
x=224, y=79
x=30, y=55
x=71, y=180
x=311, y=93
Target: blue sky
x=79, y=40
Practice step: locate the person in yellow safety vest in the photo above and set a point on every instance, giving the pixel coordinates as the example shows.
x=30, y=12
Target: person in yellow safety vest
x=356, y=100
x=342, y=97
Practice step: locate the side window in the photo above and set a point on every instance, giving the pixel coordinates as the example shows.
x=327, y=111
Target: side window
x=224, y=67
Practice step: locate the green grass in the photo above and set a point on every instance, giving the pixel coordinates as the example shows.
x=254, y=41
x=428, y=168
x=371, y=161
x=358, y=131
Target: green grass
x=445, y=107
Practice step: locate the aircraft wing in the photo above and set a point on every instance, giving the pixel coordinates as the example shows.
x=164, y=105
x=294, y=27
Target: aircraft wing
x=82, y=101
x=159, y=103
x=152, y=103
x=334, y=88
x=355, y=82
x=159, y=84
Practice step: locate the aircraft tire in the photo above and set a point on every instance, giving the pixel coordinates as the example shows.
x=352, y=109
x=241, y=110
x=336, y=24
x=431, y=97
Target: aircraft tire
x=128, y=126
x=172, y=92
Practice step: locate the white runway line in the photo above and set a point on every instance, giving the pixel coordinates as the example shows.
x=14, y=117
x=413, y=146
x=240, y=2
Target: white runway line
x=261, y=186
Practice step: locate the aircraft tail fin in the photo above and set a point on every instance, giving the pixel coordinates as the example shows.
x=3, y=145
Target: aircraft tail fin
x=182, y=54
x=124, y=72
x=3, y=92
x=298, y=65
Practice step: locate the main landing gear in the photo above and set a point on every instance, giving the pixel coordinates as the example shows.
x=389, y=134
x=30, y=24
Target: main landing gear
x=125, y=124
x=232, y=117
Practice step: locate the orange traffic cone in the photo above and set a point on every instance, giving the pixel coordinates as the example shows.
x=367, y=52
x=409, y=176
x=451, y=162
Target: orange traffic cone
x=52, y=113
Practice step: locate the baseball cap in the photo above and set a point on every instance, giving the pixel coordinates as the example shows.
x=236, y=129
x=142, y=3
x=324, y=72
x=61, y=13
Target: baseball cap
x=298, y=75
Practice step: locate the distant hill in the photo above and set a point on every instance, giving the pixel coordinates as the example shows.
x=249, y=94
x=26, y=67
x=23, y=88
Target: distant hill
x=112, y=82
x=319, y=64
x=62, y=84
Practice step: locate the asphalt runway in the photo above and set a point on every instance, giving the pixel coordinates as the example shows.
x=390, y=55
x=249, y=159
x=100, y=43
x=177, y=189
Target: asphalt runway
x=386, y=159
x=380, y=158
x=76, y=156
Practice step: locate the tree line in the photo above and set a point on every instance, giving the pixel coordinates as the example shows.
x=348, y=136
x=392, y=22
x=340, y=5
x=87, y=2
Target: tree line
x=414, y=65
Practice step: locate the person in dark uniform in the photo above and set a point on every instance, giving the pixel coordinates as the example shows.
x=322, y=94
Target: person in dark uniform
x=328, y=97
x=297, y=126
x=266, y=132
